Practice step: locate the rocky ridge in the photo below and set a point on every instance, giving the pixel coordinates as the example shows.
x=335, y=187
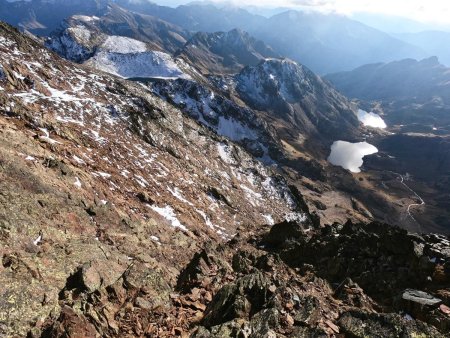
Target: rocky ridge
x=225, y=52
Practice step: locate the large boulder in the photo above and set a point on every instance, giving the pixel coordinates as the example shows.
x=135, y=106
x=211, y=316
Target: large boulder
x=241, y=299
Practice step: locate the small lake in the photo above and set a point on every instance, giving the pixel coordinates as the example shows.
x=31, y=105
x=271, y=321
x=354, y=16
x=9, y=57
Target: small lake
x=350, y=155
x=371, y=119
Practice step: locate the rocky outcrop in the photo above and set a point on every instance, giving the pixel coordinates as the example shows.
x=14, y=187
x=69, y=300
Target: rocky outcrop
x=342, y=281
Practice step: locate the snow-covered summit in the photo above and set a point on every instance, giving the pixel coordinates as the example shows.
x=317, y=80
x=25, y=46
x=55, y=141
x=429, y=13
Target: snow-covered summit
x=149, y=64
x=123, y=45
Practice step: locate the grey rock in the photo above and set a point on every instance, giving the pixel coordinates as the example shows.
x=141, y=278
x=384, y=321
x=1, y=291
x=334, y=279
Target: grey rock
x=100, y=273
x=238, y=300
x=143, y=303
x=421, y=298
x=360, y=324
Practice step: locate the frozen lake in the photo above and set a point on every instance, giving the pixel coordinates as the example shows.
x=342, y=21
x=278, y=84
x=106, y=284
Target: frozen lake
x=371, y=119
x=350, y=155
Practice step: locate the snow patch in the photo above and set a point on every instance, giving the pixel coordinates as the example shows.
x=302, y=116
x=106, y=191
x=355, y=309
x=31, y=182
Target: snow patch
x=77, y=183
x=102, y=174
x=85, y=18
x=224, y=151
x=295, y=217
x=235, y=130
x=269, y=219
x=175, y=192
x=46, y=137
x=154, y=238
x=168, y=213
x=37, y=240
x=123, y=45
x=137, y=65
x=78, y=160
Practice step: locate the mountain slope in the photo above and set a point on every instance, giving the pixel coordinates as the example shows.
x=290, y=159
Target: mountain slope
x=323, y=42
x=106, y=168
x=121, y=216
x=158, y=34
x=329, y=42
x=298, y=98
x=85, y=39
x=229, y=52
x=198, y=16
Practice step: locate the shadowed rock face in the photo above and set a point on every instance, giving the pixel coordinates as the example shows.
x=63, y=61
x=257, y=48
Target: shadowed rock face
x=225, y=52
x=292, y=93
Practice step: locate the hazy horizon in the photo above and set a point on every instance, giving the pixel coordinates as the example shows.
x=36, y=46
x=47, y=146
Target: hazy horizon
x=434, y=13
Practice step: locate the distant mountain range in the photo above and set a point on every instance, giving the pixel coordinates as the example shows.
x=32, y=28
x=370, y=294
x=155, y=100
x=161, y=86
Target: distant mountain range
x=407, y=80
x=324, y=43
x=435, y=43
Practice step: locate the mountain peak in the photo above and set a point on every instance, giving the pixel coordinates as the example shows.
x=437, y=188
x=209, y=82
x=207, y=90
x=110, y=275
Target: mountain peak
x=431, y=61
x=225, y=52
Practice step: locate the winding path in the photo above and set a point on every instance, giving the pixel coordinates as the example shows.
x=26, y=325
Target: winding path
x=422, y=202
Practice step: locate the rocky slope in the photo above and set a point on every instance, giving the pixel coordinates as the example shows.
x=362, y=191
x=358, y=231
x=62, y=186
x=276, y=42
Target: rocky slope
x=225, y=52
x=108, y=173
x=312, y=115
x=103, y=185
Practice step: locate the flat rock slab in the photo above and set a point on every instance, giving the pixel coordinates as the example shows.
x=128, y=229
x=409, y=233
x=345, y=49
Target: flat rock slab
x=421, y=298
